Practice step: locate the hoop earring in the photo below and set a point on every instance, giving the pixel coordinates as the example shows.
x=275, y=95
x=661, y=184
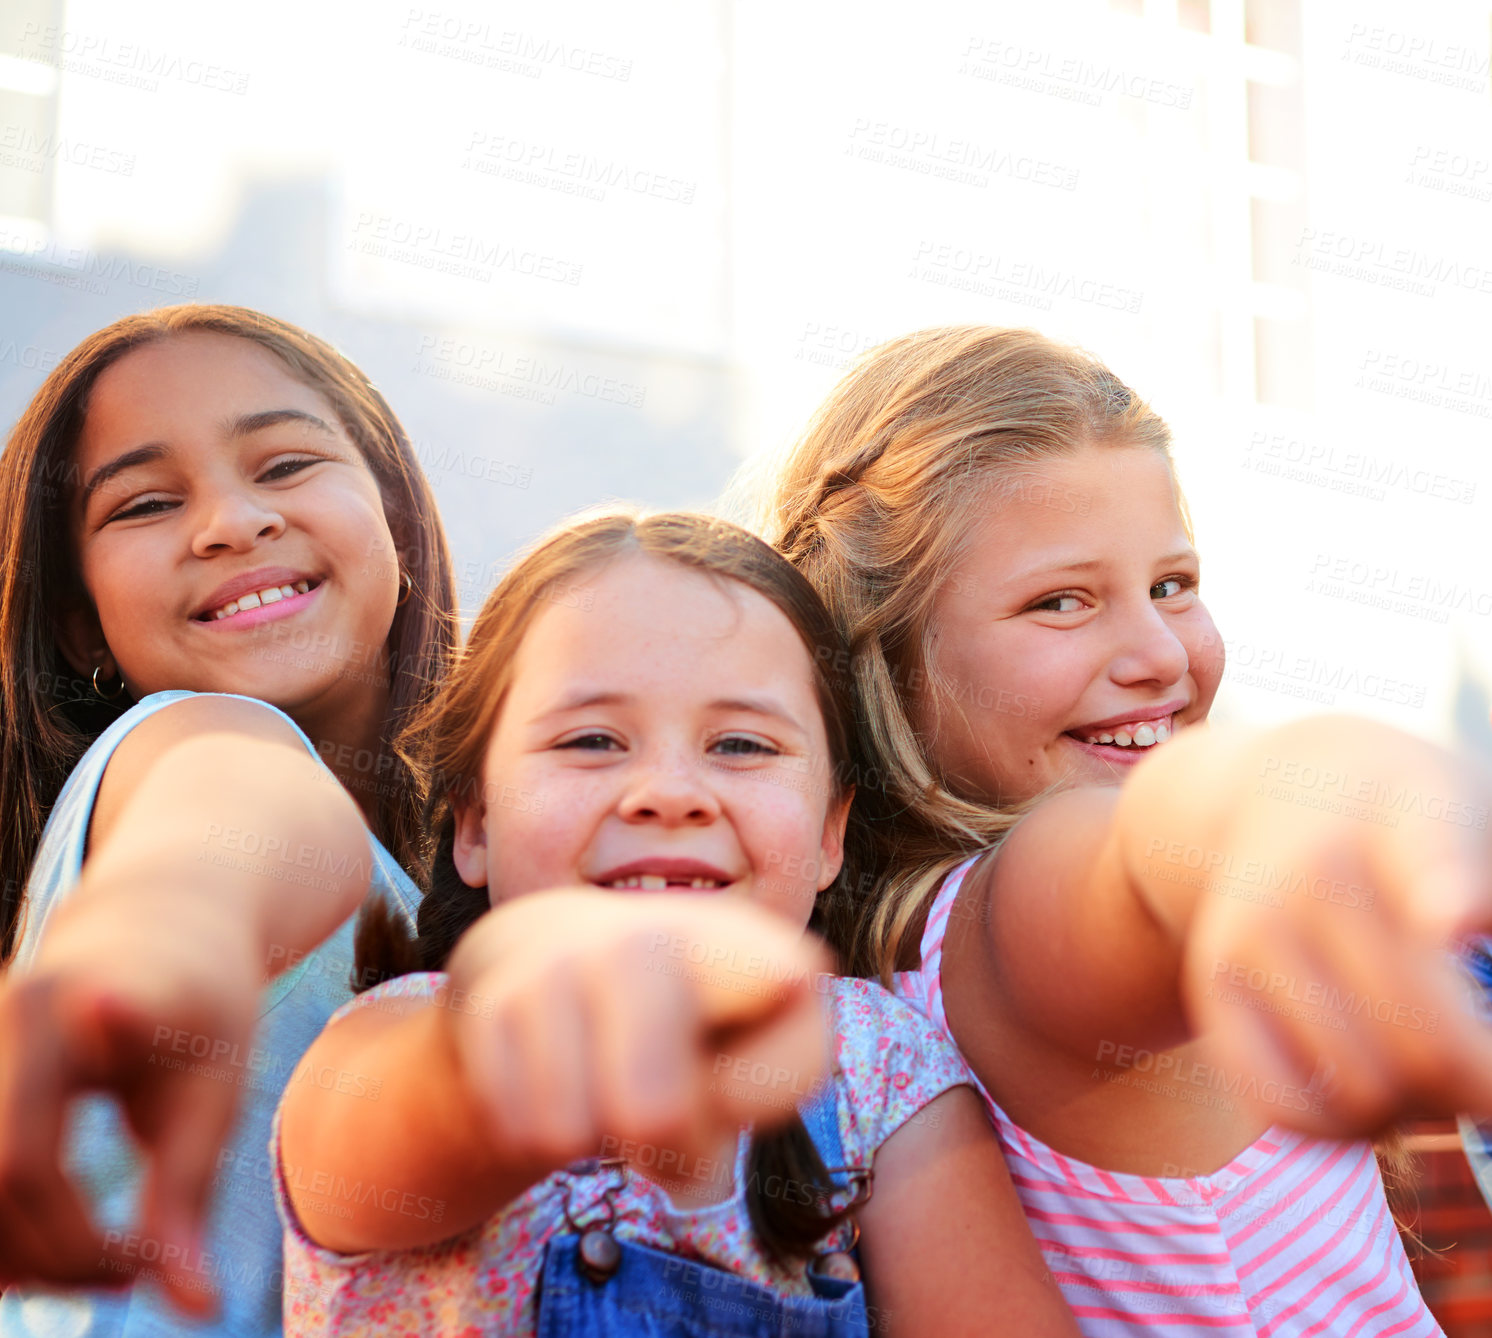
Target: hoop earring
x=100, y=693
x=406, y=588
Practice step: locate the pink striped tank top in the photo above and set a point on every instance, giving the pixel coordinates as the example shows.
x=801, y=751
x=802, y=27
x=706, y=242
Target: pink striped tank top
x=1292, y=1238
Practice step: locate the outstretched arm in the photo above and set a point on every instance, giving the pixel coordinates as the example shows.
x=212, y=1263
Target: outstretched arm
x=1376, y=849
x=172, y=929
x=562, y=1031
x=1333, y=859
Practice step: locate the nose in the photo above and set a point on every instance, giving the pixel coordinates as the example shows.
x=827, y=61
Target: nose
x=233, y=518
x=1149, y=651
x=671, y=793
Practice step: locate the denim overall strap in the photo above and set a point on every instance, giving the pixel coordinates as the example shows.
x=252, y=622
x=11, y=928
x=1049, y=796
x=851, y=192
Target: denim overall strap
x=821, y=1118
x=657, y=1295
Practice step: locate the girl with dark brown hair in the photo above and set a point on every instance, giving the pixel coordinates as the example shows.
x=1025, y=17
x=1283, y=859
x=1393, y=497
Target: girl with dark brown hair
x=224, y=590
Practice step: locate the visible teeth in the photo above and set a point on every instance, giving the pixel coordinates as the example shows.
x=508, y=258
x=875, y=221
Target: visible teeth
x=656, y=882
x=1137, y=736
x=271, y=594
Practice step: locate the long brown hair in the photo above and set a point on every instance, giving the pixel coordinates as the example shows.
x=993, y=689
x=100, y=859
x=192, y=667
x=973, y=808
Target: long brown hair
x=874, y=506
x=50, y=716
x=455, y=728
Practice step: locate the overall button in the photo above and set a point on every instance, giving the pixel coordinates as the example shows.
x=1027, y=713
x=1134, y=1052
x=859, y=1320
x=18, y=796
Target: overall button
x=837, y=1264
x=599, y=1255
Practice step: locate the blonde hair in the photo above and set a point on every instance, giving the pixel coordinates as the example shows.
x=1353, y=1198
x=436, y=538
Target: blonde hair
x=874, y=505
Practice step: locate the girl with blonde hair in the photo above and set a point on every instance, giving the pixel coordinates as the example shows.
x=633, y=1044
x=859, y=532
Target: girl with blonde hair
x=1175, y=958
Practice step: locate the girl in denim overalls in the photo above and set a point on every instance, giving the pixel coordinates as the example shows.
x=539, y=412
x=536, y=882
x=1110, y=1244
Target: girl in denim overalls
x=643, y=770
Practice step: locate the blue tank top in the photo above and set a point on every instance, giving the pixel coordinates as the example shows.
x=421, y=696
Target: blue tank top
x=243, y=1258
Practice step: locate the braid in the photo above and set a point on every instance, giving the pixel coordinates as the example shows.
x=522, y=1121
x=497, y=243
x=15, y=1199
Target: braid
x=383, y=946
x=450, y=906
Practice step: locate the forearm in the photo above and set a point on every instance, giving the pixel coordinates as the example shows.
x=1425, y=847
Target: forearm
x=1117, y=886
x=382, y=1146
x=1340, y=859
x=555, y=1034
x=1191, y=823
x=1172, y=816
x=249, y=835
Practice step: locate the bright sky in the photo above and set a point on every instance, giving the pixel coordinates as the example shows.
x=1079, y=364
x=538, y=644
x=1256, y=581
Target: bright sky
x=779, y=185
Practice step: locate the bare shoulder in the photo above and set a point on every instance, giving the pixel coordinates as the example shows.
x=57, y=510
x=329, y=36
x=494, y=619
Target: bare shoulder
x=1056, y=860
x=372, y=1017
x=363, y=1026
x=945, y=1207
x=1057, y=844
x=203, y=716
x=1034, y=910
x=1062, y=836
x=1054, y=907
x=953, y=1118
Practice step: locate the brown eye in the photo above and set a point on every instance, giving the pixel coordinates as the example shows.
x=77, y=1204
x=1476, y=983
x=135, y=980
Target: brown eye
x=1181, y=584
x=741, y=745
x=149, y=506
x=286, y=468
x=590, y=742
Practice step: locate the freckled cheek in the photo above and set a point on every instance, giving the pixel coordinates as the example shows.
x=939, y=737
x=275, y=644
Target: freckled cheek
x=778, y=839
x=792, y=897
x=963, y=674
x=546, y=827
x=520, y=860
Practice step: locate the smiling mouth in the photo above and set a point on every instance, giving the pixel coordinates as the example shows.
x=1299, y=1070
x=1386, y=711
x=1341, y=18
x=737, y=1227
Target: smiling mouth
x=271, y=594
x=657, y=882
x=1134, y=736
